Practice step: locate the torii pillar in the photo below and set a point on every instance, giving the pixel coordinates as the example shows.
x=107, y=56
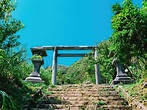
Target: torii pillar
x=54, y=66
x=97, y=71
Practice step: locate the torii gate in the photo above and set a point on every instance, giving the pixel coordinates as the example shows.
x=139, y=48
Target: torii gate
x=55, y=49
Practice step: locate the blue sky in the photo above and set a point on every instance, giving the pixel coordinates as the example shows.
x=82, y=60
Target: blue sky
x=64, y=22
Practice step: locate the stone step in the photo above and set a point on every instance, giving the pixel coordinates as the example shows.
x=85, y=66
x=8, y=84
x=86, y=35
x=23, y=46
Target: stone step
x=81, y=107
x=85, y=101
x=116, y=107
x=83, y=97
x=82, y=85
x=108, y=92
x=60, y=106
x=77, y=98
x=40, y=109
x=117, y=102
x=84, y=92
x=81, y=89
x=81, y=93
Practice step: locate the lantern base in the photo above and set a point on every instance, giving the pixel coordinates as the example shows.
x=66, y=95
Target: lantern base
x=34, y=79
x=124, y=80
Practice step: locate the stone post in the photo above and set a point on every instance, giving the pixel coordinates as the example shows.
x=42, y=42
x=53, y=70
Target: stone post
x=54, y=66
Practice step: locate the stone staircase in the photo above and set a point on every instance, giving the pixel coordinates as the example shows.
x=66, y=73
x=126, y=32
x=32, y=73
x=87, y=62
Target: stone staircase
x=82, y=97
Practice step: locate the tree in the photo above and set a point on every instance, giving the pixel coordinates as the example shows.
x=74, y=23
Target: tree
x=144, y=8
x=8, y=38
x=129, y=32
x=12, y=66
x=10, y=57
x=8, y=25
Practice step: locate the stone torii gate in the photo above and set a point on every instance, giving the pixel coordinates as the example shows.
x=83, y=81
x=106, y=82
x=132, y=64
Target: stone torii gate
x=56, y=54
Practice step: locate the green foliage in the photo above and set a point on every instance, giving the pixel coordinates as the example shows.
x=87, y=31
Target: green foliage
x=144, y=8
x=9, y=26
x=81, y=71
x=11, y=64
x=35, y=86
x=129, y=32
x=6, y=102
x=137, y=91
x=16, y=90
x=116, y=9
x=46, y=75
x=105, y=62
x=10, y=60
x=137, y=69
x=101, y=103
x=12, y=57
x=36, y=57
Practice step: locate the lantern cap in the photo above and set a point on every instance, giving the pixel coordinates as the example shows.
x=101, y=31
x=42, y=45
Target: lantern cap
x=39, y=51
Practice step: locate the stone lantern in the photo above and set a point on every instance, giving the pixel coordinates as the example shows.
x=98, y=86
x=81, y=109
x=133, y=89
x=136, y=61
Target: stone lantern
x=37, y=60
x=121, y=77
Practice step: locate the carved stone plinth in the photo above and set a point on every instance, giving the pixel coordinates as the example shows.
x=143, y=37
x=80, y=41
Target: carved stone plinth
x=35, y=75
x=120, y=76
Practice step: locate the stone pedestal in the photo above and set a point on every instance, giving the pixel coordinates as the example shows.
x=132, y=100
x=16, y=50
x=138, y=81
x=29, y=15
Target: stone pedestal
x=120, y=76
x=35, y=75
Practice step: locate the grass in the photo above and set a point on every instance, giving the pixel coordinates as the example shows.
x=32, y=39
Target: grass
x=6, y=101
x=137, y=91
x=18, y=94
x=103, y=89
x=101, y=103
x=52, y=86
x=35, y=86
